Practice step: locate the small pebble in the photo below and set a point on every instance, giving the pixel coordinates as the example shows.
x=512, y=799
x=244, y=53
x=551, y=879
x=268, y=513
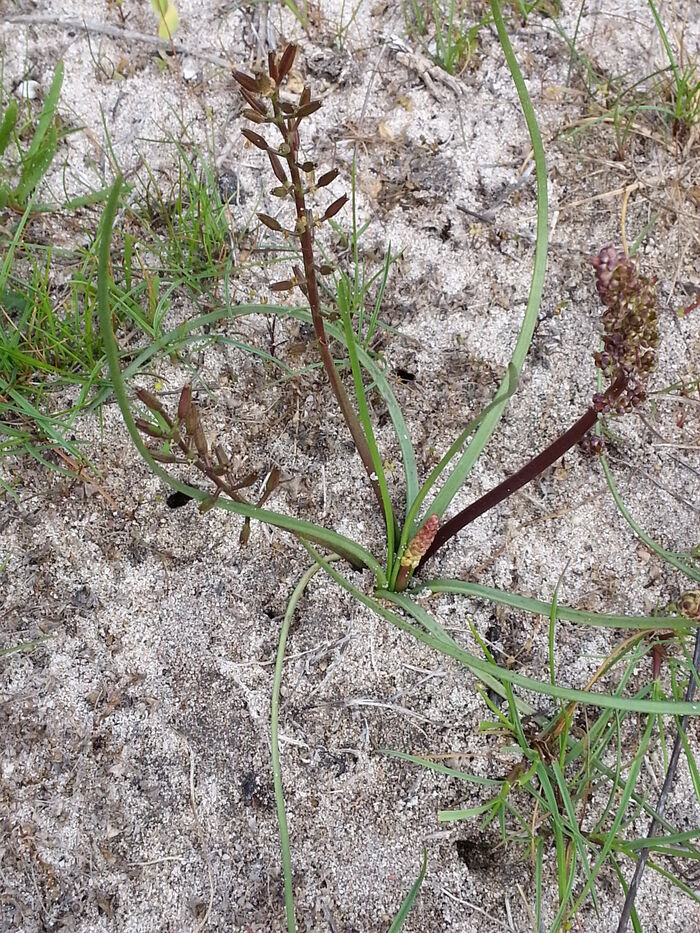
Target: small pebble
x=190, y=71
x=27, y=90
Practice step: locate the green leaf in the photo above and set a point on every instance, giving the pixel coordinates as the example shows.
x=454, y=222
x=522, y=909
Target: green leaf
x=36, y=165
x=539, y=607
x=9, y=121
x=405, y=908
x=485, y=430
x=47, y=112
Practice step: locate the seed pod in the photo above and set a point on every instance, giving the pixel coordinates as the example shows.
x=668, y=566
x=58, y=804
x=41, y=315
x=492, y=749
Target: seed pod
x=245, y=533
x=281, y=191
x=147, y=427
x=255, y=138
x=191, y=419
x=273, y=481
x=221, y=455
x=209, y=503
x=277, y=166
x=287, y=108
x=150, y=401
x=335, y=207
x=327, y=178
x=247, y=81
x=200, y=441
x=307, y=167
x=184, y=403
x=254, y=102
x=284, y=286
x=305, y=96
x=308, y=109
x=272, y=66
x=164, y=458
x=253, y=116
x=286, y=62
x=271, y=223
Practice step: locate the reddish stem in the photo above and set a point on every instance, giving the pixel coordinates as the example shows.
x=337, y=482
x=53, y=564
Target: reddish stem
x=526, y=474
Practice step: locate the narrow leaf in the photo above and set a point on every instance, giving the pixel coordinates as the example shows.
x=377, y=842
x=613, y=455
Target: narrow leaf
x=9, y=121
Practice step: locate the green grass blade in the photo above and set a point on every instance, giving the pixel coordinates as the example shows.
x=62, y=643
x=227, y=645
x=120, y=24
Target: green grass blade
x=410, y=526
x=36, y=164
x=275, y=748
x=630, y=784
x=484, y=669
x=405, y=908
x=564, y=613
x=9, y=121
x=47, y=111
x=456, y=480
x=441, y=769
x=365, y=419
x=23, y=646
x=653, y=545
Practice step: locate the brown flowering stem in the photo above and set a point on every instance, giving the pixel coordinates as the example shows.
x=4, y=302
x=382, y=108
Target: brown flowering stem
x=526, y=474
x=305, y=232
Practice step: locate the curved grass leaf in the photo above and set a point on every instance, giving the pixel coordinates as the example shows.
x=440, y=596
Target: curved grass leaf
x=405, y=908
x=488, y=671
x=653, y=545
x=456, y=480
x=540, y=607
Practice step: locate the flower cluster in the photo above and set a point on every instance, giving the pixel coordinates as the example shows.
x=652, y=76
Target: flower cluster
x=630, y=329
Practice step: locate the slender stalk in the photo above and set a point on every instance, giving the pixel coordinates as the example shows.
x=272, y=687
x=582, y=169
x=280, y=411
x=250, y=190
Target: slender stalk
x=275, y=748
x=523, y=476
x=305, y=233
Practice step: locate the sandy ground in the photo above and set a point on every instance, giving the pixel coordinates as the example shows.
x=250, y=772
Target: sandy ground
x=136, y=782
